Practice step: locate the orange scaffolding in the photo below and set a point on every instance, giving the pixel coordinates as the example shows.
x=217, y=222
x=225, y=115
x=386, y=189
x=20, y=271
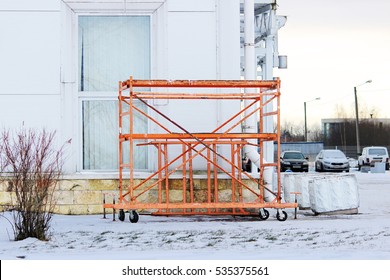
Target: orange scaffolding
x=136, y=93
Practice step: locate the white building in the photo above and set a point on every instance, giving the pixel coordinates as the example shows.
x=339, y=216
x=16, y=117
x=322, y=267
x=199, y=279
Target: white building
x=61, y=61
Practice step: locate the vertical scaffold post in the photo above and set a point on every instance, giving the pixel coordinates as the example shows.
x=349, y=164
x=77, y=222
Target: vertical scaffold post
x=104, y=208
x=113, y=210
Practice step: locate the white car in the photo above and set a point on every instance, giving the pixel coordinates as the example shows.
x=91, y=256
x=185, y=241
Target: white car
x=370, y=155
x=331, y=160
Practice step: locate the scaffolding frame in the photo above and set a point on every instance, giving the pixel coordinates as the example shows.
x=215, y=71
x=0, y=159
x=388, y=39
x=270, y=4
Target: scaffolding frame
x=204, y=145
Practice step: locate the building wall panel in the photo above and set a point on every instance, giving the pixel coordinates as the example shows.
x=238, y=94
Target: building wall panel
x=191, y=5
x=30, y=53
x=28, y=5
x=38, y=111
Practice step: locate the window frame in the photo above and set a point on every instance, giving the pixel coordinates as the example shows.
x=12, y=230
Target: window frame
x=82, y=96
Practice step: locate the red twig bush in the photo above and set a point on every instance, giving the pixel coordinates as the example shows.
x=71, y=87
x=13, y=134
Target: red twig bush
x=33, y=167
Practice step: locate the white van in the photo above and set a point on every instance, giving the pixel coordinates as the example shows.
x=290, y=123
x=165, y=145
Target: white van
x=370, y=155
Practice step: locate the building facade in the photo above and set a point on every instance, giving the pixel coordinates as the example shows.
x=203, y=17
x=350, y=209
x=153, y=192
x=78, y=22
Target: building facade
x=62, y=60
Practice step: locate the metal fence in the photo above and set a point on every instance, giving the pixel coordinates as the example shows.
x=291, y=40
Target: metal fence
x=309, y=149
x=349, y=151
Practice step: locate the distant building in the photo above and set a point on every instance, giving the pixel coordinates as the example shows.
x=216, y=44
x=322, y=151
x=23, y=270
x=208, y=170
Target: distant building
x=341, y=133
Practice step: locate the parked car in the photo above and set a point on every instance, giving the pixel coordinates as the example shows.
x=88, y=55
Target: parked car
x=331, y=160
x=370, y=155
x=294, y=161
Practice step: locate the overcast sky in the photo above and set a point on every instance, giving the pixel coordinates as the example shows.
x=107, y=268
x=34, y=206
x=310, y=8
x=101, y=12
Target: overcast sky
x=332, y=46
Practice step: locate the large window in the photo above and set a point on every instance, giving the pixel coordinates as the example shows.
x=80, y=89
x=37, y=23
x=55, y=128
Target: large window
x=111, y=48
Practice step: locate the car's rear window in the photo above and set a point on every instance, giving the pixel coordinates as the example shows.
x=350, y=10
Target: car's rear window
x=334, y=154
x=293, y=156
x=377, y=151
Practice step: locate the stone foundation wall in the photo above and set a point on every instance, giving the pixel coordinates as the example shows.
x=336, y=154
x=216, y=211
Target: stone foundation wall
x=85, y=196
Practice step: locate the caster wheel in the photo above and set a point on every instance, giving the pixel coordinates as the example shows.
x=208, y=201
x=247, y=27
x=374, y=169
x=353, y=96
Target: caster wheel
x=133, y=217
x=265, y=215
x=121, y=215
x=282, y=217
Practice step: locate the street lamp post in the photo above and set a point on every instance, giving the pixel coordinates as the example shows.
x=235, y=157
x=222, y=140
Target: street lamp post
x=357, y=116
x=304, y=106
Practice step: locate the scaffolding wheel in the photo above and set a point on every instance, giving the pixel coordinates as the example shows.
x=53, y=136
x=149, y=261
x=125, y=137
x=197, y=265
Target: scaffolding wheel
x=265, y=215
x=121, y=215
x=283, y=217
x=133, y=217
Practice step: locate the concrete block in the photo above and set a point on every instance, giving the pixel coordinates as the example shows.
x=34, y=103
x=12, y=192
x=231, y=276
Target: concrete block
x=365, y=169
x=102, y=185
x=200, y=196
x=247, y=195
x=289, y=186
x=175, y=196
x=225, y=195
x=73, y=209
x=3, y=186
x=88, y=197
x=334, y=193
x=77, y=209
x=64, y=197
x=176, y=184
x=72, y=185
x=379, y=167
x=302, y=184
x=7, y=198
x=152, y=196
x=95, y=209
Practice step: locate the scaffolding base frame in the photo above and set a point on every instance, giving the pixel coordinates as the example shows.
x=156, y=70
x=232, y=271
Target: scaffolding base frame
x=205, y=145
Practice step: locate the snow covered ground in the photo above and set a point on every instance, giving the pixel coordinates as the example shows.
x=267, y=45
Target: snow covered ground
x=342, y=237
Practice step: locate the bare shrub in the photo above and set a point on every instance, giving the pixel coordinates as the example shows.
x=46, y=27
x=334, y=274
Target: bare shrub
x=32, y=167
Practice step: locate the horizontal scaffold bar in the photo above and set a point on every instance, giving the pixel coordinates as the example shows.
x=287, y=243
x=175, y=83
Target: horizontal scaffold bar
x=211, y=96
x=202, y=83
x=208, y=142
x=200, y=205
x=203, y=136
